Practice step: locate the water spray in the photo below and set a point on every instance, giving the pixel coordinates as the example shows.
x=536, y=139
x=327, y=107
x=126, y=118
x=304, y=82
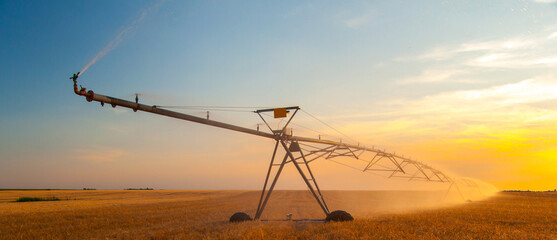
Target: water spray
x=121, y=35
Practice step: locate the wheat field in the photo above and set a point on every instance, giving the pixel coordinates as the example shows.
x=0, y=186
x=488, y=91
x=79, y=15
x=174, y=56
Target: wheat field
x=183, y=214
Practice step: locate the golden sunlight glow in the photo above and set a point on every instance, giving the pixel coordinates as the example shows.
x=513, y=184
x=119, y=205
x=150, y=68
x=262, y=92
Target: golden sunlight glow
x=498, y=130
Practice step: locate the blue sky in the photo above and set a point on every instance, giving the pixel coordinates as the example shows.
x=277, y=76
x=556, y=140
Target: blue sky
x=397, y=74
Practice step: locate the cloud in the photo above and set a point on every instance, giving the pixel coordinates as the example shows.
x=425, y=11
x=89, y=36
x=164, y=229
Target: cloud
x=552, y=36
x=525, y=91
x=509, y=118
x=355, y=19
x=436, y=75
x=496, y=125
x=550, y=60
x=527, y=101
x=518, y=52
x=473, y=61
x=505, y=100
x=510, y=105
x=546, y=1
x=359, y=21
x=494, y=46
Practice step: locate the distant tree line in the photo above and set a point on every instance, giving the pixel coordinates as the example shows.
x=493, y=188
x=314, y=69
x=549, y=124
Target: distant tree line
x=139, y=188
x=554, y=190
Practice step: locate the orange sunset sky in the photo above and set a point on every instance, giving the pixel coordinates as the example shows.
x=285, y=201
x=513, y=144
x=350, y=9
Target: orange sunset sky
x=469, y=87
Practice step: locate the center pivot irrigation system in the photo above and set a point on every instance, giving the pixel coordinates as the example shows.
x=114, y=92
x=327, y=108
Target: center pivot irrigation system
x=300, y=151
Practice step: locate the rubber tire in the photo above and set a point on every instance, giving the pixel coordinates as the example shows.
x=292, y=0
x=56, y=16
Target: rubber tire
x=240, y=217
x=339, y=216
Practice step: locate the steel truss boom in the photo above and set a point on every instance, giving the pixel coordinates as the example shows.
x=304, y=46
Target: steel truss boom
x=136, y=106
x=376, y=160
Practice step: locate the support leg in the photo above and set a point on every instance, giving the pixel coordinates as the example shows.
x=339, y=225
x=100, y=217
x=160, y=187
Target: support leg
x=447, y=192
x=457, y=188
x=314, y=181
x=260, y=209
x=267, y=178
x=289, y=154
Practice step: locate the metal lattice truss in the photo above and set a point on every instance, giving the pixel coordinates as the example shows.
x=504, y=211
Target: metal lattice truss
x=376, y=161
x=299, y=151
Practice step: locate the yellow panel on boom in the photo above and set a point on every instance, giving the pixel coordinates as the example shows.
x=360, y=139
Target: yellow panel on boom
x=280, y=112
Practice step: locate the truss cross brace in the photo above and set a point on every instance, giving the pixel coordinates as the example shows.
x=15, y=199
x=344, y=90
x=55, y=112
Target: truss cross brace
x=310, y=182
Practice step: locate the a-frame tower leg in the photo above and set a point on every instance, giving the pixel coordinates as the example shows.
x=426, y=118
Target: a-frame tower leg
x=310, y=182
x=264, y=193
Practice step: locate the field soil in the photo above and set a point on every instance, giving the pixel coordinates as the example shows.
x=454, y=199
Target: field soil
x=181, y=214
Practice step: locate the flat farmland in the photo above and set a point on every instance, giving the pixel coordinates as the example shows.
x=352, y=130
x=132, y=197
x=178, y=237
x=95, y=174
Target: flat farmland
x=183, y=214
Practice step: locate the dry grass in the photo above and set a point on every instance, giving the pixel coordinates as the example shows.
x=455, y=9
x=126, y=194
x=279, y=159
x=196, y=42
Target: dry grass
x=204, y=215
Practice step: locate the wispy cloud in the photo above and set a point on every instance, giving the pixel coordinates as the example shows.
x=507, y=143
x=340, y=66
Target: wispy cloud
x=436, y=75
x=466, y=62
x=497, y=97
x=518, y=52
x=507, y=105
x=356, y=18
x=515, y=103
x=552, y=36
x=498, y=124
x=550, y=60
x=495, y=46
x=510, y=103
x=359, y=21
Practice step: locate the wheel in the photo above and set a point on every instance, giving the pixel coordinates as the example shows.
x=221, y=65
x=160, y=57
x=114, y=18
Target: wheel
x=240, y=217
x=339, y=216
